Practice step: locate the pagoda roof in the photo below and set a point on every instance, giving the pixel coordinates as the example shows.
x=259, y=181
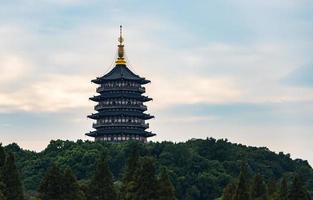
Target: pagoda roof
x=133, y=113
x=120, y=71
x=120, y=95
x=102, y=132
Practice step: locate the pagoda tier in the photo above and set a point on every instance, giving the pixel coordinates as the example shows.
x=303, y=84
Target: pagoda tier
x=125, y=94
x=120, y=114
x=120, y=110
x=115, y=135
x=120, y=72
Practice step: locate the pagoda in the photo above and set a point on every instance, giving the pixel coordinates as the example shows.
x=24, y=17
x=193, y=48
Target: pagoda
x=120, y=110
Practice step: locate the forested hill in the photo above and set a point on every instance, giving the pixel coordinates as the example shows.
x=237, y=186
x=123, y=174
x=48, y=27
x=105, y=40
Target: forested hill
x=199, y=169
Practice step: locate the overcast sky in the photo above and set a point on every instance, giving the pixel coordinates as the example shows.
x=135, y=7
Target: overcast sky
x=236, y=69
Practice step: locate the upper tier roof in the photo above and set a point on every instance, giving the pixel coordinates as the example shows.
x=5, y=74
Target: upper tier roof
x=120, y=71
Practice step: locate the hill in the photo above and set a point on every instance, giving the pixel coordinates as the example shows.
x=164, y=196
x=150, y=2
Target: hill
x=202, y=167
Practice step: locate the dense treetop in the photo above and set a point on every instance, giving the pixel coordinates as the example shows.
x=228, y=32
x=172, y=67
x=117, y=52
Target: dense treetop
x=198, y=169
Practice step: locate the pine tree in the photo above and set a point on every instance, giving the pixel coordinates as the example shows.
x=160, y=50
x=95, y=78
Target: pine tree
x=2, y=156
x=258, y=189
x=71, y=188
x=146, y=180
x=1, y=190
x=283, y=190
x=2, y=162
x=297, y=190
x=192, y=193
x=101, y=185
x=13, y=185
x=272, y=189
x=128, y=188
x=242, y=190
x=229, y=191
x=166, y=190
x=51, y=187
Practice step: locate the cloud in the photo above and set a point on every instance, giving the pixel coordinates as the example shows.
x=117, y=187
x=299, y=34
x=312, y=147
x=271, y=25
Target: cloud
x=301, y=77
x=191, y=89
x=50, y=94
x=13, y=68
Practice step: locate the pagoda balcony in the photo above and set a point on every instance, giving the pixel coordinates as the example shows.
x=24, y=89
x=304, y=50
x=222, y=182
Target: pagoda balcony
x=116, y=88
x=127, y=124
x=117, y=106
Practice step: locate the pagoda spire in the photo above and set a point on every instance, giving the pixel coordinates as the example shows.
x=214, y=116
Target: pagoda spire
x=121, y=60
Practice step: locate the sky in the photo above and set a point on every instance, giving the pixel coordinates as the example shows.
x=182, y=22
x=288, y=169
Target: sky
x=235, y=69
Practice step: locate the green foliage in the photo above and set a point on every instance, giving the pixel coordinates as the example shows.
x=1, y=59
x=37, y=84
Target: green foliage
x=101, y=185
x=229, y=191
x=2, y=156
x=259, y=189
x=128, y=188
x=13, y=186
x=199, y=169
x=242, y=189
x=1, y=190
x=52, y=184
x=283, y=190
x=71, y=187
x=146, y=183
x=166, y=190
x=2, y=162
x=297, y=190
x=60, y=185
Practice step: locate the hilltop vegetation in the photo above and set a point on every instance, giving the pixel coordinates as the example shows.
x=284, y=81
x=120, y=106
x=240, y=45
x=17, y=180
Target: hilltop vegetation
x=198, y=169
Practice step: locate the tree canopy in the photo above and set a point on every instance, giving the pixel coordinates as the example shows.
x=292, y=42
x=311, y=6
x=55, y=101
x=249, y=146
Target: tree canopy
x=198, y=169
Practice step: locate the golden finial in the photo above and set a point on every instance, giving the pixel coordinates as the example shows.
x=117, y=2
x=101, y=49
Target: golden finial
x=120, y=59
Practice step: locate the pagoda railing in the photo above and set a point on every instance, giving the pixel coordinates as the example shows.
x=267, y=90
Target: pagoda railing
x=100, y=106
x=132, y=88
x=107, y=124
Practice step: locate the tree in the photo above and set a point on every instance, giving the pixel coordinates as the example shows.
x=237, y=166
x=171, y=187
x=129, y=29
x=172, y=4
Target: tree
x=283, y=190
x=166, y=190
x=242, y=190
x=297, y=190
x=258, y=189
x=51, y=187
x=13, y=185
x=101, y=185
x=272, y=189
x=229, y=191
x=128, y=188
x=146, y=180
x=192, y=193
x=71, y=187
x=2, y=156
x=2, y=162
x=2, y=190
